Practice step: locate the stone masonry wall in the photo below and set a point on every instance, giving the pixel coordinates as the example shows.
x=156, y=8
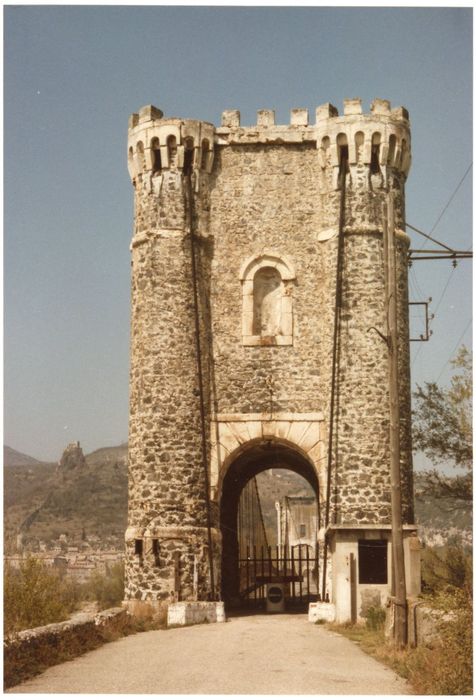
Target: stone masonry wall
x=167, y=505
x=246, y=194
x=249, y=216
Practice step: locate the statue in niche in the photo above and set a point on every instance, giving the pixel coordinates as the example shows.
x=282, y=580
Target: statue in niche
x=267, y=295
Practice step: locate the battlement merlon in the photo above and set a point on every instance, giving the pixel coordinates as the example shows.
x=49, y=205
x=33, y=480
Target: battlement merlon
x=383, y=130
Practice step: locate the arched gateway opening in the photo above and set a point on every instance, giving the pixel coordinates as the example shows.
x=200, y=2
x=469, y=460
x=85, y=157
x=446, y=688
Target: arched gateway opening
x=249, y=570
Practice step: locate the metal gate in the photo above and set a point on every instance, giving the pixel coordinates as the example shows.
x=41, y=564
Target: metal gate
x=296, y=567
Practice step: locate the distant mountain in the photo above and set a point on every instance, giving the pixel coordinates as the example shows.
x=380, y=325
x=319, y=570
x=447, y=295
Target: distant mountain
x=274, y=485
x=108, y=454
x=13, y=458
x=43, y=501
x=88, y=499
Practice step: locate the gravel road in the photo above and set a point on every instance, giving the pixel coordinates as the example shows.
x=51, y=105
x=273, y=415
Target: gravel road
x=259, y=654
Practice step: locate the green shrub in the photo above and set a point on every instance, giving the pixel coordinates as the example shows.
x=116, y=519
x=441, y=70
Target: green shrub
x=450, y=565
x=107, y=589
x=375, y=618
x=36, y=595
x=446, y=668
x=443, y=668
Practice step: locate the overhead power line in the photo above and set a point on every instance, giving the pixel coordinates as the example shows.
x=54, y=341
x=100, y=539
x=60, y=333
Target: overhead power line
x=446, y=253
x=438, y=304
x=449, y=201
x=452, y=197
x=442, y=253
x=455, y=348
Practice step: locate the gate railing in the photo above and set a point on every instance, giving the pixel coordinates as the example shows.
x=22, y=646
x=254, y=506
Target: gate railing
x=296, y=567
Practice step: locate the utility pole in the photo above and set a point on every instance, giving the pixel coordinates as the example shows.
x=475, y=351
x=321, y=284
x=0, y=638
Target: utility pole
x=400, y=633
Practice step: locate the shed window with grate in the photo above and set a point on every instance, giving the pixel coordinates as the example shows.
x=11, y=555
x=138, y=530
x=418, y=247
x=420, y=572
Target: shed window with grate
x=372, y=561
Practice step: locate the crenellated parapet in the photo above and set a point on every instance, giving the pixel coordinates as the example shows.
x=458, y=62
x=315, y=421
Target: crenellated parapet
x=156, y=144
x=379, y=139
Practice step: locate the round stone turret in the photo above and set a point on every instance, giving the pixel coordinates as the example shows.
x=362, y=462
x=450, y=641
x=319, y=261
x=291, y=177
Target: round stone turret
x=156, y=144
x=167, y=541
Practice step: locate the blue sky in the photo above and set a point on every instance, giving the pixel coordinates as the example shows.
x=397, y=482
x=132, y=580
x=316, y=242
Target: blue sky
x=73, y=74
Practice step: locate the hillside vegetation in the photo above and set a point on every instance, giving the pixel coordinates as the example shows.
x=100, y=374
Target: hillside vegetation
x=42, y=502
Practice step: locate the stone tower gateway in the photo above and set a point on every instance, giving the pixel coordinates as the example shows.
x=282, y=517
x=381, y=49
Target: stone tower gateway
x=242, y=237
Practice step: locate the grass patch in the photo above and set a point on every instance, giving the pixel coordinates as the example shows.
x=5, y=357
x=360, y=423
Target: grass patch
x=442, y=667
x=374, y=643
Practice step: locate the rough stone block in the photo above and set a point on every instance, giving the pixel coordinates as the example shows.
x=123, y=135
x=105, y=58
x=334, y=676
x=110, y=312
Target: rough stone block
x=352, y=106
x=265, y=117
x=230, y=118
x=195, y=613
x=133, y=120
x=321, y=612
x=297, y=431
x=400, y=113
x=269, y=428
x=299, y=117
x=379, y=106
x=311, y=437
x=149, y=112
x=227, y=438
x=282, y=428
x=326, y=111
x=369, y=598
x=240, y=431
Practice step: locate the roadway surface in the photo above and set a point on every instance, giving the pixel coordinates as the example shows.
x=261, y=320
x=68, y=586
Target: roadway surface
x=259, y=654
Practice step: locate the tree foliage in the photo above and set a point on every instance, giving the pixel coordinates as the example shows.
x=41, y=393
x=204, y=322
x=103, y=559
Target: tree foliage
x=447, y=568
x=445, y=666
x=36, y=595
x=107, y=589
x=442, y=418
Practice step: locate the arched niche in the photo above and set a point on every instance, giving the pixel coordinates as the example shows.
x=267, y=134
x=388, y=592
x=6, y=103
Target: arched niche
x=172, y=152
x=156, y=155
x=189, y=154
x=267, y=314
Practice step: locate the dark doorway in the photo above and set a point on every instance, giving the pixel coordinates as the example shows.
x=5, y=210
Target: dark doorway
x=255, y=553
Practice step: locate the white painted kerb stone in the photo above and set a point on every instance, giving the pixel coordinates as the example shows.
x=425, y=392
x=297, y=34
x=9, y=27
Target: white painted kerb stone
x=195, y=613
x=322, y=612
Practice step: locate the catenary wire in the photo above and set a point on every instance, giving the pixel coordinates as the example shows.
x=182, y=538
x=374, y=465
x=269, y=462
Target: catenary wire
x=437, y=305
x=454, y=348
x=448, y=202
x=451, y=198
x=434, y=312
